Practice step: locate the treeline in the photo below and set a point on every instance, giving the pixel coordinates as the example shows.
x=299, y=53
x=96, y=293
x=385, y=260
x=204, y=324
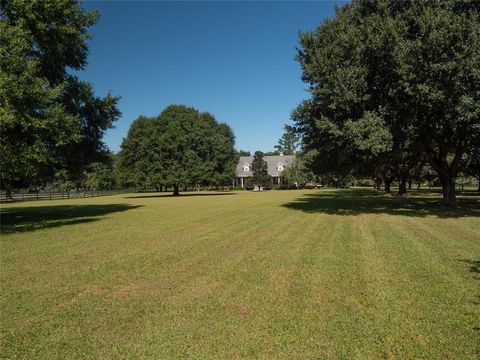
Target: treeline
x=395, y=93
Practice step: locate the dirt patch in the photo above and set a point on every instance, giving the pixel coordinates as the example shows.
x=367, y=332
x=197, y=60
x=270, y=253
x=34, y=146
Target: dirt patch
x=241, y=311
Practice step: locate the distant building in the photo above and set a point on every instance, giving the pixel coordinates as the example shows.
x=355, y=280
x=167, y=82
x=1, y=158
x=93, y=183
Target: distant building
x=276, y=165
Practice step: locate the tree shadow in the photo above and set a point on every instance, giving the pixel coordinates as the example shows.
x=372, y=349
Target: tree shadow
x=24, y=219
x=169, y=195
x=474, y=266
x=354, y=202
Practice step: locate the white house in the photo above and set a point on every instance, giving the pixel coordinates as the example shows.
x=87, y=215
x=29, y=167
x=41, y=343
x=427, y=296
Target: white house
x=276, y=165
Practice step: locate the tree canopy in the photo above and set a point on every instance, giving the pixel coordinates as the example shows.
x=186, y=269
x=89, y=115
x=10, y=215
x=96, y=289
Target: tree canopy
x=298, y=172
x=49, y=119
x=243, y=153
x=260, y=170
x=393, y=84
x=181, y=147
x=289, y=141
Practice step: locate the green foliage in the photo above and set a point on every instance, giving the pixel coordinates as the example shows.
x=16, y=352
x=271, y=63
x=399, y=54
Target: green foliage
x=297, y=173
x=49, y=120
x=243, y=153
x=61, y=181
x=32, y=122
x=260, y=170
x=392, y=84
x=271, y=153
x=473, y=168
x=181, y=147
x=101, y=176
x=288, y=143
x=137, y=163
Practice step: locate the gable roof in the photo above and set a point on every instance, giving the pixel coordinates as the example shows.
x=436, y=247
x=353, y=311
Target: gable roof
x=272, y=162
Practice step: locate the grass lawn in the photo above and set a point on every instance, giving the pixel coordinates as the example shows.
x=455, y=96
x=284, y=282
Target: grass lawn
x=282, y=274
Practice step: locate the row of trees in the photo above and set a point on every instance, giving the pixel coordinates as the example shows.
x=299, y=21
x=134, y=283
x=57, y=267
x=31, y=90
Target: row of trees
x=395, y=86
x=395, y=95
x=51, y=123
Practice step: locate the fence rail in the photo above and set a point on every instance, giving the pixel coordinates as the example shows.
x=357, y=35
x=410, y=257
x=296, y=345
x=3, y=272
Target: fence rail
x=56, y=195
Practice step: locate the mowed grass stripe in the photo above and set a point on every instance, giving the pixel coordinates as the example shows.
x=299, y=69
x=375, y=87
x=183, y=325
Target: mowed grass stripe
x=430, y=290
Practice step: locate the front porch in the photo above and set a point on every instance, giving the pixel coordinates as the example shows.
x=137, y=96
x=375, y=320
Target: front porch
x=277, y=181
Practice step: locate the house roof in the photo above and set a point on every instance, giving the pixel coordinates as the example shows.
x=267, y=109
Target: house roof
x=272, y=162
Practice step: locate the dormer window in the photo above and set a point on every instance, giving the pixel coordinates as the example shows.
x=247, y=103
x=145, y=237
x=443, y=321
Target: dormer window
x=280, y=167
x=246, y=168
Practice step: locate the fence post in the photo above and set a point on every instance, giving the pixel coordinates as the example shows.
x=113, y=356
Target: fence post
x=23, y=199
x=37, y=194
x=50, y=194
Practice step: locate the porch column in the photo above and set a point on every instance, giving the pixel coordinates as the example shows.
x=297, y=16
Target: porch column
x=278, y=179
x=241, y=181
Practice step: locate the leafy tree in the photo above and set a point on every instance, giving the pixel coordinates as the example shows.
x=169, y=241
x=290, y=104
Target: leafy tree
x=288, y=143
x=243, y=153
x=297, y=173
x=392, y=83
x=271, y=153
x=61, y=181
x=100, y=176
x=32, y=122
x=137, y=165
x=342, y=126
x=439, y=57
x=260, y=170
x=49, y=119
x=223, y=155
x=181, y=147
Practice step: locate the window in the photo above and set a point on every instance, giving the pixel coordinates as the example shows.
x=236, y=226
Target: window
x=246, y=168
x=280, y=167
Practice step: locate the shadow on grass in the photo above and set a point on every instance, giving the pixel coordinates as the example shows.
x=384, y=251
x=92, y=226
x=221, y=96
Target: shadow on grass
x=354, y=202
x=169, y=195
x=23, y=219
x=474, y=266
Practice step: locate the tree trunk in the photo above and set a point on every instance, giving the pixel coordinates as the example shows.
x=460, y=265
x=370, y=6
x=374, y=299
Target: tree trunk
x=409, y=184
x=402, y=184
x=478, y=185
x=448, y=190
x=388, y=183
x=176, y=191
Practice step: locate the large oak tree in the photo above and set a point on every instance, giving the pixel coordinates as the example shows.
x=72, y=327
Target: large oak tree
x=393, y=83
x=181, y=147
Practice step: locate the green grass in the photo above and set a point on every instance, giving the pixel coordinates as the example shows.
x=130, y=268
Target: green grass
x=321, y=274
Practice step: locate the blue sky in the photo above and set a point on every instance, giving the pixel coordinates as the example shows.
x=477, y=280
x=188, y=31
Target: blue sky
x=235, y=60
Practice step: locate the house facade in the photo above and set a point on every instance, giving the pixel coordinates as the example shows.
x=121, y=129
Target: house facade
x=276, y=165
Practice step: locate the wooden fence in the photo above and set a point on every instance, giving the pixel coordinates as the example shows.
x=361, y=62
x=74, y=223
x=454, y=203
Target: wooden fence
x=56, y=195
